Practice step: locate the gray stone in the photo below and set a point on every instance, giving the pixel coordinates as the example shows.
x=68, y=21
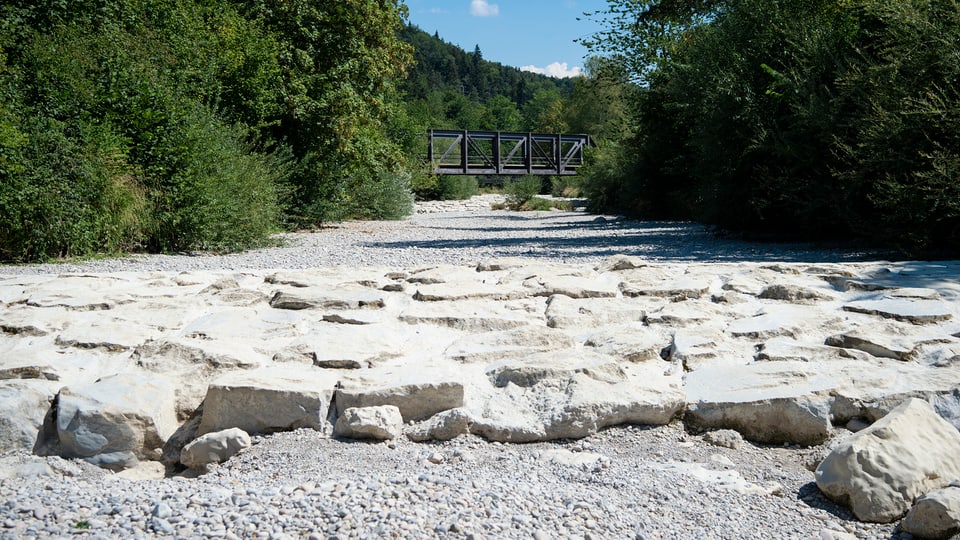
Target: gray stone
x=880, y=470
x=23, y=405
x=214, y=448
x=443, y=426
x=381, y=423
x=935, y=514
x=726, y=438
x=415, y=401
x=121, y=418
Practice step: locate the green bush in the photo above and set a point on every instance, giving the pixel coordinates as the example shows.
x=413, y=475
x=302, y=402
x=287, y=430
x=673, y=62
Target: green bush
x=188, y=125
x=811, y=119
x=457, y=188
x=565, y=186
x=75, y=195
x=388, y=196
x=425, y=186
x=540, y=204
x=522, y=189
x=221, y=194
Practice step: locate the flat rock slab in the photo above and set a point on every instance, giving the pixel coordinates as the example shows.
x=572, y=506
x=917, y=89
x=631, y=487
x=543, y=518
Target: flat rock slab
x=340, y=298
x=571, y=395
x=766, y=402
x=904, y=309
x=415, y=401
x=496, y=346
x=564, y=311
x=267, y=401
x=470, y=316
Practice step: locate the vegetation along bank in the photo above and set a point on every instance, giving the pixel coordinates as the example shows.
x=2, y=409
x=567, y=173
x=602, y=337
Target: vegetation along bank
x=173, y=125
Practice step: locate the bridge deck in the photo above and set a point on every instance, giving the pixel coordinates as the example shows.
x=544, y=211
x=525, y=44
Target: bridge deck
x=505, y=153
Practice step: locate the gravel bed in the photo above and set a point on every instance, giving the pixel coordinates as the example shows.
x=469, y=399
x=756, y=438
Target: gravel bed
x=636, y=482
x=466, y=233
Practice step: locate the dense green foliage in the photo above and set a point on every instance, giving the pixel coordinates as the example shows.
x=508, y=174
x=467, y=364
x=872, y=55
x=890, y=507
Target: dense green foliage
x=799, y=118
x=194, y=124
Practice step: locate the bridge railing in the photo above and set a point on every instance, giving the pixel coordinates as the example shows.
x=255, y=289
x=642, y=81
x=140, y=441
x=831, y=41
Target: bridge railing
x=504, y=153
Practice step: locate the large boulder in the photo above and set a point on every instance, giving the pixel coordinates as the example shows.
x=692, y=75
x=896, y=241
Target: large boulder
x=880, y=470
x=116, y=421
x=23, y=405
x=381, y=423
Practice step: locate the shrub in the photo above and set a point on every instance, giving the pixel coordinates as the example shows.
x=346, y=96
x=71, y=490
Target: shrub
x=565, y=186
x=539, y=204
x=220, y=193
x=458, y=188
x=75, y=195
x=521, y=190
x=388, y=196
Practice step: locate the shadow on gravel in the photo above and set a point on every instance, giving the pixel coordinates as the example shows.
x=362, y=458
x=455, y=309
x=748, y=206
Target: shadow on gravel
x=811, y=495
x=560, y=236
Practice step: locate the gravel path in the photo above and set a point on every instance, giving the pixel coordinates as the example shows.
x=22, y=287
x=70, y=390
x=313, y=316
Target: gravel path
x=624, y=482
x=468, y=232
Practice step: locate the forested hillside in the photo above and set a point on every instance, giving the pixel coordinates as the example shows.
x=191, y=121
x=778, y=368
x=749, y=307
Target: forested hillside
x=454, y=88
x=811, y=119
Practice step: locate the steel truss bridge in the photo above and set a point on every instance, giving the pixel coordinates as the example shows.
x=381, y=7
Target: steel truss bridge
x=503, y=153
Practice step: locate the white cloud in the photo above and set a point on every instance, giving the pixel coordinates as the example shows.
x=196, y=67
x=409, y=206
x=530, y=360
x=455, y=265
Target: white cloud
x=482, y=8
x=556, y=69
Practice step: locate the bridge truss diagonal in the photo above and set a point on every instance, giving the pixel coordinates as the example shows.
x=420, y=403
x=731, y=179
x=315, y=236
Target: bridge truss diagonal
x=505, y=153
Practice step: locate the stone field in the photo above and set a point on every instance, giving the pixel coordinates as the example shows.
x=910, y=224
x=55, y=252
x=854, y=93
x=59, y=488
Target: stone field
x=837, y=382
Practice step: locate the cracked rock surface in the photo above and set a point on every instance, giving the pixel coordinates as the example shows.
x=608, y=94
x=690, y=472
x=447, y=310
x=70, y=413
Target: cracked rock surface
x=611, y=348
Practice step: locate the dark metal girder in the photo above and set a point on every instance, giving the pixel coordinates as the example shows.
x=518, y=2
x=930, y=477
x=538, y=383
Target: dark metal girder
x=482, y=152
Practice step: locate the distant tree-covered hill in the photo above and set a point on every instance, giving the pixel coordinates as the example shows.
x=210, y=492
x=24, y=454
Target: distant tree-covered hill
x=450, y=87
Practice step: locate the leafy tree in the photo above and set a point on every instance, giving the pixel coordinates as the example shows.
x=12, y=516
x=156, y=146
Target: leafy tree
x=501, y=114
x=181, y=124
x=546, y=112
x=339, y=62
x=801, y=118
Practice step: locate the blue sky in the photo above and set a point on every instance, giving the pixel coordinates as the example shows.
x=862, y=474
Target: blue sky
x=533, y=35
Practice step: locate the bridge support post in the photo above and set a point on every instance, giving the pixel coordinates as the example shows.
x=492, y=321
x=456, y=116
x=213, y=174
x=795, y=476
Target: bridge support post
x=556, y=154
x=528, y=153
x=464, y=150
